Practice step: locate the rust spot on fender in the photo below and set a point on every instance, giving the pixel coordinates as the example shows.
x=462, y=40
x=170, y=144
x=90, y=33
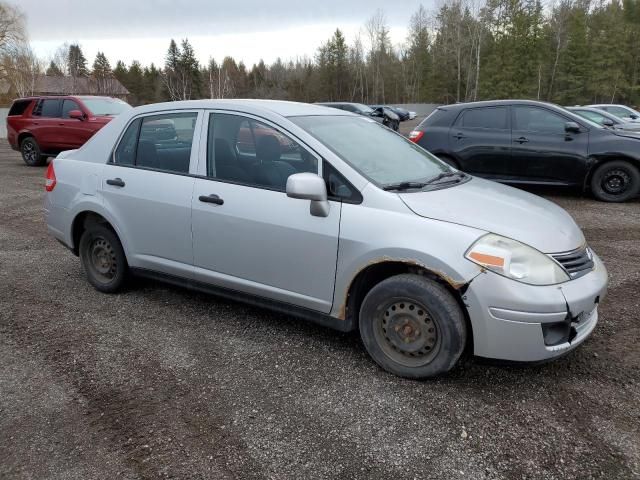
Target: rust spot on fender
x=455, y=284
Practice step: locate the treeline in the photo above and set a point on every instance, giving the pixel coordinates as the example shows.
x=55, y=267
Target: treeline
x=570, y=52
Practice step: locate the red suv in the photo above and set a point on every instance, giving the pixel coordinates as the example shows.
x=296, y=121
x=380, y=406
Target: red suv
x=42, y=127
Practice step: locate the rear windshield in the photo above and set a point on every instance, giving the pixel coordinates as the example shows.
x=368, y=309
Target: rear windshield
x=440, y=117
x=19, y=106
x=105, y=106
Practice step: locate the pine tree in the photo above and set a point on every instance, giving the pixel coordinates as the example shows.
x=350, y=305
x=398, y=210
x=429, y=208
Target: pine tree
x=53, y=70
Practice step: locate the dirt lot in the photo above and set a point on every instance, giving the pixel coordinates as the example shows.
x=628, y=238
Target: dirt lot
x=161, y=382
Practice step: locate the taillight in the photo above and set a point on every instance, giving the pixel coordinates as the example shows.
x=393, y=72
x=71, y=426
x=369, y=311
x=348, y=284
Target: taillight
x=416, y=135
x=50, y=182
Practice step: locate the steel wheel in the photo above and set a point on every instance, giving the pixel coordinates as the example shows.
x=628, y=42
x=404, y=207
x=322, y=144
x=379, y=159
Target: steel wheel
x=102, y=260
x=407, y=333
x=616, y=181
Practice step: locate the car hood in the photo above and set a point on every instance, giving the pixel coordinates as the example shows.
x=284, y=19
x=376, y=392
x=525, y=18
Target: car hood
x=627, y=133
x=500, y=209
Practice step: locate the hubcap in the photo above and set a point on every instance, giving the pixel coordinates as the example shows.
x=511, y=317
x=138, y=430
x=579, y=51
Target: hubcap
x=102, y=260
x=616, y=181
x=407, y=333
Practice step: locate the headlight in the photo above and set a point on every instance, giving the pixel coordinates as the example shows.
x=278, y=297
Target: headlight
x=515, y=260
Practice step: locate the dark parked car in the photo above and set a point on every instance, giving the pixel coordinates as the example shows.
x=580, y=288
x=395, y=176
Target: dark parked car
x=42, y=127
x=605, y=119
x=403, y=114
x=380, y=114
x=519, y=141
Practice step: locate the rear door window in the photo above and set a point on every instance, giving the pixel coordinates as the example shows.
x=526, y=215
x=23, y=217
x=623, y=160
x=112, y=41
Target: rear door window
x=50, y=108
x=165, y=142
x=494, y=118
x=158, y=142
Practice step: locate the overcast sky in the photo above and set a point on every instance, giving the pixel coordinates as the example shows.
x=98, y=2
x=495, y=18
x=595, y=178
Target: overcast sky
x=245, y=29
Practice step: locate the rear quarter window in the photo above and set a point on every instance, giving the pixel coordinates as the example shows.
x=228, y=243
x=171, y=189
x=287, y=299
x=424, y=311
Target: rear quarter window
x=440, y=117
x=19, y=107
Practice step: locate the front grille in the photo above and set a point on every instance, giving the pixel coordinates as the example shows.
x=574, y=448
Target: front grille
x=577, y=263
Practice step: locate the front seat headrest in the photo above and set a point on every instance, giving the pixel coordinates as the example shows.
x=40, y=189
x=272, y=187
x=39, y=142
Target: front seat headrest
x=268, y=148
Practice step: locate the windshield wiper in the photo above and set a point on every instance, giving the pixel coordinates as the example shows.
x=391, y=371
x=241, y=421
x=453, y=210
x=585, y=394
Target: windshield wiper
x=442, y=175
x=403, y=185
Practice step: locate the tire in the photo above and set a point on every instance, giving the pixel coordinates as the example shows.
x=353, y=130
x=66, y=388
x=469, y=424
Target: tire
x=31, y=153
x=616, y=181
x=103, y=259
x=412, y=326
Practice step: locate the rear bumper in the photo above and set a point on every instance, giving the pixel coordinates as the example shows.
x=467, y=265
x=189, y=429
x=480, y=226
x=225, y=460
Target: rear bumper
x=507, y=317
x=56, y=218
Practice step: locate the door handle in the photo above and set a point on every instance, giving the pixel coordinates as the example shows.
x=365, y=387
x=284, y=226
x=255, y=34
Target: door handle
x=211, y=199
x=522, y=140
x=459, y=136
x=116, y=182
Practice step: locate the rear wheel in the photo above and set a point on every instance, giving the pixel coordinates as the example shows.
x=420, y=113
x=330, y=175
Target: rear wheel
x=31, y=153
x=412, y=326
x=615, y=181
x=102, y=258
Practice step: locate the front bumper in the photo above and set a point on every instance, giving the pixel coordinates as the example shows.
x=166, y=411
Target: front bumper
x=507, y=317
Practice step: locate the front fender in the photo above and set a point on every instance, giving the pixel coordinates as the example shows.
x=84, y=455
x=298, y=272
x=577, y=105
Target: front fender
x=404, y=237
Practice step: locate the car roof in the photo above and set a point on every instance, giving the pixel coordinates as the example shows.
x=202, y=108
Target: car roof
x=81, y=97
x=598, y=105
x=278, y=107
x=495, y=103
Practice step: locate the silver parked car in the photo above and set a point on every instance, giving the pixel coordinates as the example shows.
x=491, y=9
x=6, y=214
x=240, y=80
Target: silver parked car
x=331, y=217
x=627, y=114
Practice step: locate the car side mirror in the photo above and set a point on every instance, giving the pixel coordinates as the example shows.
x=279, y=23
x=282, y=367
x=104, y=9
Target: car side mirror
x=309, y=186
x=571, y=127
x=633, y=116
x=77, y=114
x=607, y=122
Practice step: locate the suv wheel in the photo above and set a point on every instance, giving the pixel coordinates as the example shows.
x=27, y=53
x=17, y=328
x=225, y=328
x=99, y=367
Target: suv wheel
x=31, y=152
x=102, y=258
x=412, y=326
x=615, y=181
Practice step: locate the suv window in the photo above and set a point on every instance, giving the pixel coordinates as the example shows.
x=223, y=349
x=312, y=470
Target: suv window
x=243, y=150
x=490, y=117
x=18, y=107
x=69, y=105
x=159, y=142
x=49, y=108
x=534, y=119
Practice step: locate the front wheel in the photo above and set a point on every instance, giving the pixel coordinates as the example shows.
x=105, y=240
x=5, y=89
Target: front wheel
x=103, y=258
x=616, y=181
x=412, y=326
x=31, y=153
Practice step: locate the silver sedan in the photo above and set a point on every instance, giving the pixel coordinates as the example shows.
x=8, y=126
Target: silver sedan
x=328, y=216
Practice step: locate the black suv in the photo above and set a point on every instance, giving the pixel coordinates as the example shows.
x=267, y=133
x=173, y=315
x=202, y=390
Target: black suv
x=520, y=141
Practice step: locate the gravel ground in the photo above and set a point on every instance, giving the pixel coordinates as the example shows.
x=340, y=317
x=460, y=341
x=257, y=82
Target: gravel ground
x=160, y=382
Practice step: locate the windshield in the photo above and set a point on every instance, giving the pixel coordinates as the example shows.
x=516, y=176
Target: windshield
x=363, y=109
x=381, y=155
x=587, y=117
x=105, y=106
